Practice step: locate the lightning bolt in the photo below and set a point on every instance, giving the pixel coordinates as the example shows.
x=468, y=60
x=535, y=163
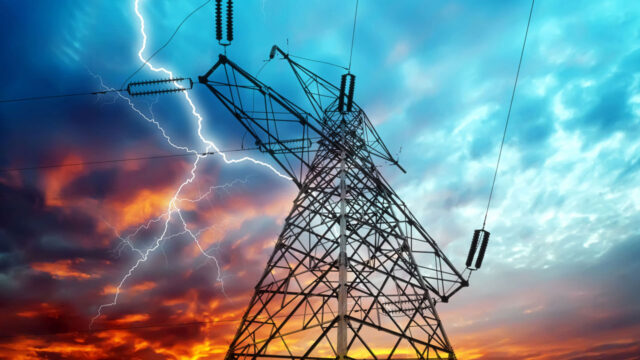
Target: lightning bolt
x=173, y=211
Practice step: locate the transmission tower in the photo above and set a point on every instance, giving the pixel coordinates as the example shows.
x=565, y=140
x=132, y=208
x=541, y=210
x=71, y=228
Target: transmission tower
x=353, y=273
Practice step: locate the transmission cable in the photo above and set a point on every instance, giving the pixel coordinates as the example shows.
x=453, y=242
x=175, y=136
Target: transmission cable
x=506, y=124
x=43, y=97
x=319, y=61
x=122, y=87
x=137, y=158
x=353, y=35
x=110, y=161
x=166, y=43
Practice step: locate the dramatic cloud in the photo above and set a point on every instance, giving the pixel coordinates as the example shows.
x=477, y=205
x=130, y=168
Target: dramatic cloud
x=559, y=280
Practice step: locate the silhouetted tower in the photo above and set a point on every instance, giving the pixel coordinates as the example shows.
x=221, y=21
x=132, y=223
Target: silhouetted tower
x=353, y=273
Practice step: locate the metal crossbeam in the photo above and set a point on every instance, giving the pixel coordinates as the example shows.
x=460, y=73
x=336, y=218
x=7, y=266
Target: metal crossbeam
x=353, y=274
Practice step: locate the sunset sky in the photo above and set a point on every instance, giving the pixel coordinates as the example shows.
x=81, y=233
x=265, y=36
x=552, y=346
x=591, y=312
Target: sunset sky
x=560, y=279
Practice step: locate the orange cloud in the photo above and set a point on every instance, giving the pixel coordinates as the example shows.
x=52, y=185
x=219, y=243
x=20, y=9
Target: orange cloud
x=147, y=285
x=145, y=205
x=62, y=269
x=132, y=318
x=28, y=313
x=55, y=179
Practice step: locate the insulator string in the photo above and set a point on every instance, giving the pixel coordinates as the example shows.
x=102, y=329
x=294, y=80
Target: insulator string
x=229, y=20
x=219, y=20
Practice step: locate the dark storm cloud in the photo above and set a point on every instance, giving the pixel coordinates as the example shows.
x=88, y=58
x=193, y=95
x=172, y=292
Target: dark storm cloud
x=97, y=184
x=37, y=232
x=34, y=233
x=121, y=184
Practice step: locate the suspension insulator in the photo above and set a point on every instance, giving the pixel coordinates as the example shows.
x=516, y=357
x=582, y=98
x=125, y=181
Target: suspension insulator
x=161, y=86
x=473, y=248
x=352, y=86
x=272, y=53
x=482, y=237
x=483, y=248
x=229, y=20
x=343, y=84
x=219, y=20
x=346, y=97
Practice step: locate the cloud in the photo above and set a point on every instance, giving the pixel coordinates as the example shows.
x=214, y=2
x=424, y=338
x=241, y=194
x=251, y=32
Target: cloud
x=558, y=280
x=61, y=269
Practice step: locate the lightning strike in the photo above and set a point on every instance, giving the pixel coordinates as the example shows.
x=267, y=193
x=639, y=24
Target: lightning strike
x=173, y=211
x=210, y=144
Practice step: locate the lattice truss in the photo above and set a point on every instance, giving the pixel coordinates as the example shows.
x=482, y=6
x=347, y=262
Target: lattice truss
x=394, y=271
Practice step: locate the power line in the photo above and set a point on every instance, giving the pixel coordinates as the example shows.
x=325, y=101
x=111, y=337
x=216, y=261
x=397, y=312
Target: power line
x=122, y=87
x=353, y=35
x=166, y=43
x=506, y=124
x=128, y=90
x=319, y=61
x=110, y=161
x=137, y=158
x=43, y=97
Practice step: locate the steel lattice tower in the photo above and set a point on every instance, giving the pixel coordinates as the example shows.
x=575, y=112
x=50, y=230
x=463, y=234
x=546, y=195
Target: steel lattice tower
x=353, y=273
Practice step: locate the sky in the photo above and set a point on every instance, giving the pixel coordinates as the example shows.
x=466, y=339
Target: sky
x=560, y=276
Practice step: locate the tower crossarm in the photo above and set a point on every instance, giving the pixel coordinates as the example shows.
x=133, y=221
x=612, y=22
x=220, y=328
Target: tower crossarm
x=323, y=98
x=284, y=130
x=279, y=127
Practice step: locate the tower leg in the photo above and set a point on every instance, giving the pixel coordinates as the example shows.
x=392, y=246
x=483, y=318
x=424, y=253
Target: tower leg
x=342, y=263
